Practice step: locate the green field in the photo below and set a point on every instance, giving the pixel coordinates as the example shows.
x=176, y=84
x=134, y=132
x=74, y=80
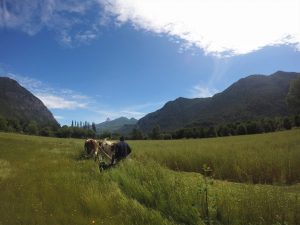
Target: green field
x=254, y=180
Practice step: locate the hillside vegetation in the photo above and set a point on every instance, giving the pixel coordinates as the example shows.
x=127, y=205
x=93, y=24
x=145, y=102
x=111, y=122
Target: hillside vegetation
x=253, y=97
x=45, y=181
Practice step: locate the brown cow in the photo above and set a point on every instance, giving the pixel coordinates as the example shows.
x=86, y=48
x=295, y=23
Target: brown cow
x=91, y=147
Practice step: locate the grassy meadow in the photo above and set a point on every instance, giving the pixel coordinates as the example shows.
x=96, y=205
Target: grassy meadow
x=254, y=180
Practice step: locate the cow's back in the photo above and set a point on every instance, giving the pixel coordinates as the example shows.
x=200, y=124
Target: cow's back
x=108, y=147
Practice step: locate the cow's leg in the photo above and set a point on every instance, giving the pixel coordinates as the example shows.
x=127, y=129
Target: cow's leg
x=85, y=151
x=112, y=159
x=100, y=157
x=95, y=155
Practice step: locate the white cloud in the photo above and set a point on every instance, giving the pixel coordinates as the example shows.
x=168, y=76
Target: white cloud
x=67, y=99
x=114, y=114
x=219, y=27
x=135, y=111
x=58, y=117
x=30, y=83
x=203, y=92
x=145, y=106
x=57, y=102
x=74, y=21
x=53, y=98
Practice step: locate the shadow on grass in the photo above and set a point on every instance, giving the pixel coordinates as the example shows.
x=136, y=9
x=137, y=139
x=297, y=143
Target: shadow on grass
x=82, y=156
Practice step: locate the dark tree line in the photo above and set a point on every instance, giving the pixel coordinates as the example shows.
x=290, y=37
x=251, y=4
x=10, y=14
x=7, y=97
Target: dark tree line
x=85, y=130
x=228, y=129
x=239, y=128
x=27, y=127
x=76, y=130
x=85, y=125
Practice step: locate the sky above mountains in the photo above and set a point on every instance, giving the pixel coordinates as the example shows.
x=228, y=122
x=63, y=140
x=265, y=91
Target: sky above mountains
x=89, y=60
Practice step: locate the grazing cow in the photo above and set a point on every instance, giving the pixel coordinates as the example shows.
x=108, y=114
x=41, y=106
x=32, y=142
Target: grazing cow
x=91, y=147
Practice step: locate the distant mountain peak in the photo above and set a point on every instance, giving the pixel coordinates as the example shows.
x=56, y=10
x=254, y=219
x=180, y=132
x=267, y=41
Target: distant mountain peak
x=114, y=125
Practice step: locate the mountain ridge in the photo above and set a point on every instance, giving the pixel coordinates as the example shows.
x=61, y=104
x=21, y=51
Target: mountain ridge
x=19, y=103
x=114, y=125
x=252, y=97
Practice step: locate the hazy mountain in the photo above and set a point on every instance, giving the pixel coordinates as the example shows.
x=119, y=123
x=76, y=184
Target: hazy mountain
x=114, y=125
x=255, y=96
x=18, y=103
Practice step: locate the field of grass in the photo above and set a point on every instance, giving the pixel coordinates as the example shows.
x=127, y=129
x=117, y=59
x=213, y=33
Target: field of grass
x=254, y=180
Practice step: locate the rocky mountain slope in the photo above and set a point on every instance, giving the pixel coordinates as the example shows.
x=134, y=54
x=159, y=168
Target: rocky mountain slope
x=16, y=102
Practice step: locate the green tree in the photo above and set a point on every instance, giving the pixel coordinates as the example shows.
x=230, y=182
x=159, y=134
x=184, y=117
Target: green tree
x=136, y=134
x=293, y=97
x=188, y=133
x=90, y=133
x=105, y=134
x=167, y=136
x=14, y=125
x=201, y=132
x=223, y=131
x=269, y=125
x=94, y=127
x=254, y=127
x=287, y=123
x=65, y=132
x=46, y=131
x=211, y=132
x=155, y=134
x=278, y=123
x=179, y=134
x=32, y=128
x=3, y=124
x=241, y=129
x=297, y=120
x=79, y=132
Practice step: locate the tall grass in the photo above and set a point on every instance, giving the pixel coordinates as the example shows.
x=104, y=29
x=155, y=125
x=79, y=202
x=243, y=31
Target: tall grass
x=49, y=185
x=181, y=197
x=44, y=181
x=266, y=158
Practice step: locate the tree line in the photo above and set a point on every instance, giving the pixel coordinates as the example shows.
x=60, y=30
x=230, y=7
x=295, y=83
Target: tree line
x=76, y=130
x=86, y=130
x=229, y=129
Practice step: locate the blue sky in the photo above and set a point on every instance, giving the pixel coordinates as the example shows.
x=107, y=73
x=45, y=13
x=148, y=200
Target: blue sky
x=89, y=60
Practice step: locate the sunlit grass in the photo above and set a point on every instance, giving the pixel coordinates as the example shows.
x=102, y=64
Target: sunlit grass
x=272, y=158
x=44, y=181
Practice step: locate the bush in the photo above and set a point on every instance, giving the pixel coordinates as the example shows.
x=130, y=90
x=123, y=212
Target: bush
x=46, y=131
x=287, y=123
x=3, y=124
x=32, y=128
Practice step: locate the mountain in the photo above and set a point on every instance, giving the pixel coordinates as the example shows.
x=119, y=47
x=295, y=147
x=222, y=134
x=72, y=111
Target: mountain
x=253, y=97
x=18, y=103
x=114, y=125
